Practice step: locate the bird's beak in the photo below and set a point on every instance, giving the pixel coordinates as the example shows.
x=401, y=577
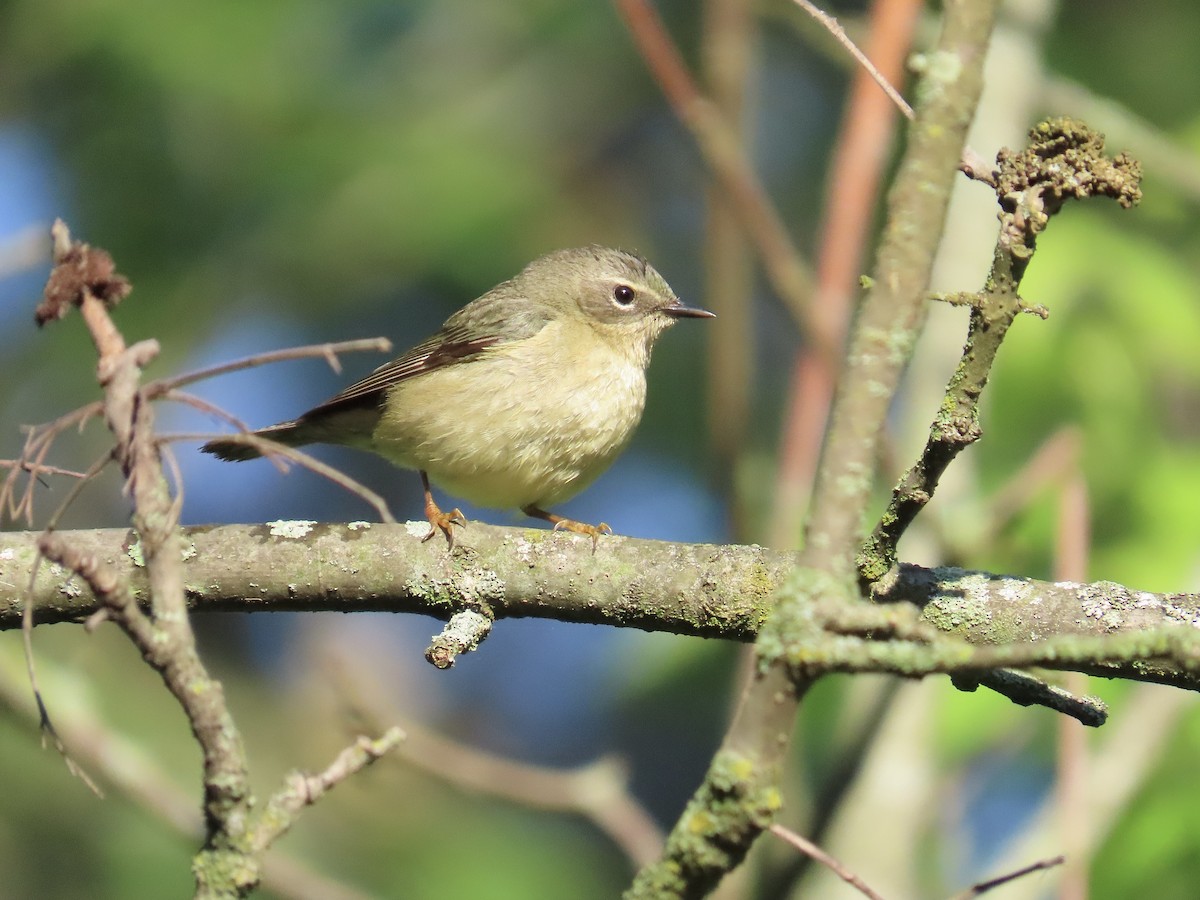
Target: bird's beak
x=678, y=311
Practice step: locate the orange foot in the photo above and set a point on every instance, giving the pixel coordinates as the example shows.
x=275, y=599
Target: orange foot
x=438, y=520
x=561, y=524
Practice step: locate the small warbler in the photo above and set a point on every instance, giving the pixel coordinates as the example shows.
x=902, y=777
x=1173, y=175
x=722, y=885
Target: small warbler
x=523, y=397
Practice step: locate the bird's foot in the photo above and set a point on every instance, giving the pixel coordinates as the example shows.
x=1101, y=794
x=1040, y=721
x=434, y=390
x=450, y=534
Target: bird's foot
x=562, y=524
x=444, y=522
x=583, y=528
x=438, y=520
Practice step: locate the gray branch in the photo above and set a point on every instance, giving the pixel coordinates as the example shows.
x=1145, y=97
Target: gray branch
x=693, y=589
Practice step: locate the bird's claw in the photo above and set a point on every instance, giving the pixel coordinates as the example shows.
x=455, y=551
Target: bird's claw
x=443, y=522
x=594, y=531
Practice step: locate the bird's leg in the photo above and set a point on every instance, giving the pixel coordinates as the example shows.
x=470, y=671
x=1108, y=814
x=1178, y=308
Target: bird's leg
x=568, y=524
x=437, y=518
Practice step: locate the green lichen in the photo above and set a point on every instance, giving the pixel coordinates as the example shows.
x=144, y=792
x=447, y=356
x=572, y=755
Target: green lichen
x=737, y=801
x=964, y=606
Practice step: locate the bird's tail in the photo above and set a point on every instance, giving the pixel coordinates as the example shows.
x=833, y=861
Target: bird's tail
x=231, y=450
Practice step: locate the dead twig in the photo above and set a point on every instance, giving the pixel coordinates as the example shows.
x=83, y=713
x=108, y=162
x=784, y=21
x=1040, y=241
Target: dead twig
x=273, y=450
x=983, y=887
x=328, y=352
x=808, y=848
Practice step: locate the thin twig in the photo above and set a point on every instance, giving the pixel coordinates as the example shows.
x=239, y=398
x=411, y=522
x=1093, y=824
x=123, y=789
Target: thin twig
x=808, y=848
x=328, y=352
x=27, y=622
x=598, y=791
x=86, y=278
x=28, y=467
x=270, y=449
x=1025, y=689
x=1064, y=160
x=302, y=790
x=834, y=28
x=38, y=441
x=204, y=406
x=171, y=464
x=983, y=887
x=102, y=462
x=971, y=164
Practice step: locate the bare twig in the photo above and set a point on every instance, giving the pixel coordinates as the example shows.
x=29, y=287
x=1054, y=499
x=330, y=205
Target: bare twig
x=204, y=406
x=110, y=590
x=303, y=790
x=38, y=442
x=35, y=470
x=328, y=352
x=86, y=278
x=984, y=886
x=27, y=622
x=808, y=848
x=1025, y=689
x=273, y=450
x=971, y=164
x=598, y=791
x=832, y=26
x=235, y=836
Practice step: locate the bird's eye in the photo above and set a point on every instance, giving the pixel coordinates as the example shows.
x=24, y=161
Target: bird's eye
x=623, y=294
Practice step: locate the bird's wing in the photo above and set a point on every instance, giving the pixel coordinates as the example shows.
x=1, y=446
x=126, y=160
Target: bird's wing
x=496, y=317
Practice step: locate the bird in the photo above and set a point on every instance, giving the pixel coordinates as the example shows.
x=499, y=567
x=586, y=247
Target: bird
x=521, y=399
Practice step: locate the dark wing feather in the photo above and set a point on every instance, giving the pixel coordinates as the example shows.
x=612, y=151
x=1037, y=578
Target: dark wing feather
x=464, y=337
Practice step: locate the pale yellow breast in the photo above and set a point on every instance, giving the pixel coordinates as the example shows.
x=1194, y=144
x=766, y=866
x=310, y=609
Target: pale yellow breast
x=531, y=423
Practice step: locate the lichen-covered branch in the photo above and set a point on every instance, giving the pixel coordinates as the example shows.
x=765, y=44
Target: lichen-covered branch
x=86, y=278
x=1064, y=160
x=722, y=592
x=155, y=614
x=697, y=589
x=884, y=335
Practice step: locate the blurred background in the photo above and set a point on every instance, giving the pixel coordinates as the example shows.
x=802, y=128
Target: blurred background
x=275, y=174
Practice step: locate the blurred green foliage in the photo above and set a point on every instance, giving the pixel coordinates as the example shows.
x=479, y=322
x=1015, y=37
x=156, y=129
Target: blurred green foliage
x=341, y=170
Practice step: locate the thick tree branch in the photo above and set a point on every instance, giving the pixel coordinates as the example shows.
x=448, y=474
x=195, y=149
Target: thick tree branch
x=704, y=590
x=741, y=792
